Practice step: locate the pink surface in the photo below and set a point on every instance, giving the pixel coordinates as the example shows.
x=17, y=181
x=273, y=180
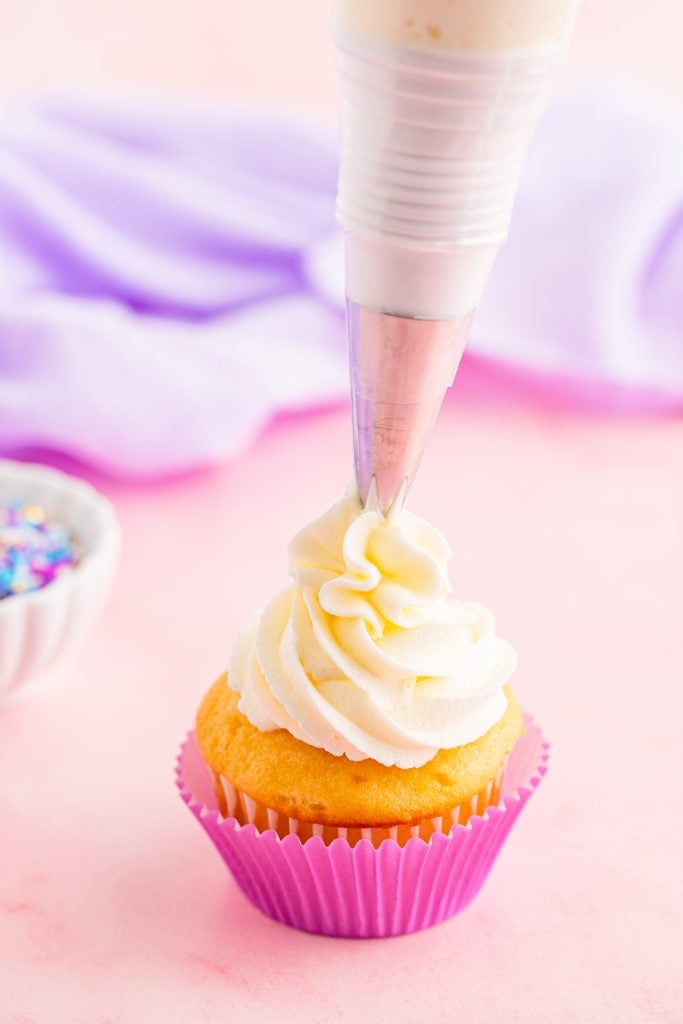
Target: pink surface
x=363, y=891
x=114, y=907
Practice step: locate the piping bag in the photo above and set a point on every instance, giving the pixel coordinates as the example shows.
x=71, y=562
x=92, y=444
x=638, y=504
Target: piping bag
x=439, y=100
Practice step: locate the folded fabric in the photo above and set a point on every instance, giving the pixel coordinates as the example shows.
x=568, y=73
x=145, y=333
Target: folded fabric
x=172, y=275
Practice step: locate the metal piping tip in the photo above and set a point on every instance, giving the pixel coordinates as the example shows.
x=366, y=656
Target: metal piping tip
x=372, y=500
x=401, y=369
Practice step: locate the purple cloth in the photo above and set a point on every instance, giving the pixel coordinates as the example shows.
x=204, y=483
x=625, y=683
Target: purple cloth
x=172, y=276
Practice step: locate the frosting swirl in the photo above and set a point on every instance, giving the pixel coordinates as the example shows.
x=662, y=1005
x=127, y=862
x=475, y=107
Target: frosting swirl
x=363, y=654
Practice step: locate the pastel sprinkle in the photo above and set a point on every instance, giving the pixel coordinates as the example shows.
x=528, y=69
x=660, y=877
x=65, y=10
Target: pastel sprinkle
x=34, y=549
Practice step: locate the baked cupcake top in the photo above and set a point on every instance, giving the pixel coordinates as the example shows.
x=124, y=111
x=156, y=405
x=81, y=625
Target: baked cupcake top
x=363, y=654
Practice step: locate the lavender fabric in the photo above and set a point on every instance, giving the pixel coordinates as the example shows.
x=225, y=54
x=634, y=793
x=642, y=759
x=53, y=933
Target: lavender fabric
x=172, y=275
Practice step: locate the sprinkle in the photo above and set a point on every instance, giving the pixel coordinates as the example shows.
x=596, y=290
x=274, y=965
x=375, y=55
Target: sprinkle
x=34, y=549
x=34, y=514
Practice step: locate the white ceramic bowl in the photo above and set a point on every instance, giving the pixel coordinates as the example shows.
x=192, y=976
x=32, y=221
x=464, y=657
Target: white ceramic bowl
x=41, y=626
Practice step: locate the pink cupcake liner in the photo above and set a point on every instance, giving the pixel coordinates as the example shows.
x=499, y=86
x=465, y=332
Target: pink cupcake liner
x=248, y=811
x=363, y=891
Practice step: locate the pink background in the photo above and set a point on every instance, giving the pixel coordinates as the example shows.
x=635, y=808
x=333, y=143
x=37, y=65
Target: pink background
x=276, y=51
x=113, y=907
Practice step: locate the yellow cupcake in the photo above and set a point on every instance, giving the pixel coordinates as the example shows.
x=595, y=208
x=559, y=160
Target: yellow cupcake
x=310, y=785
x=362, y=702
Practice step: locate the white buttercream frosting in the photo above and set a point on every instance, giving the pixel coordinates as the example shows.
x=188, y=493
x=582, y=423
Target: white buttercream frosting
x=476, y=25
x=363, y=654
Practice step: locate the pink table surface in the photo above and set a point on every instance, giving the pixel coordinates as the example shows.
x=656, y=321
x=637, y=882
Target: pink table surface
x=115, y=909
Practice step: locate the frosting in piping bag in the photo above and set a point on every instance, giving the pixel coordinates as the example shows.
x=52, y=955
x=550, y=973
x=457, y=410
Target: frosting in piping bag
x=363, y=654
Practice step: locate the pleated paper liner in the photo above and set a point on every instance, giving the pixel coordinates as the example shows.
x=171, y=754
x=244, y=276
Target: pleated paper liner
x=356, y=888
x=233, y=803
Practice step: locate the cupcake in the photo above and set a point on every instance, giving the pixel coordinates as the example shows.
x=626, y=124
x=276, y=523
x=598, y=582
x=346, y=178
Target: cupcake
x=364, y=756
